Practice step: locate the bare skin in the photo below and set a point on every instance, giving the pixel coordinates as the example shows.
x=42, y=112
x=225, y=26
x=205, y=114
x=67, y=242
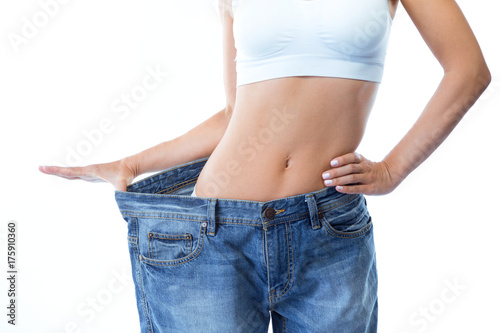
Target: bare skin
x=275, y=143
x=277, y=138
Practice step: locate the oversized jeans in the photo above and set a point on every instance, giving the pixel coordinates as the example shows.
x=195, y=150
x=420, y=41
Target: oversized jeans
x=224, y=266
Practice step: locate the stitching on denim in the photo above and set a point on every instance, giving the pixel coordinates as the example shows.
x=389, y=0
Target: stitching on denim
x=211, y=222
x=287, y=288
x=167, y=170
x=162, y=216
x=180, y=261
x=171, y=237
x=177, y=186
x=135, y=227
x=341, y=234
x=273, y=222
x=140, y=282
x=229, y=221
x=150, y=245
x=271, y=300
x=190, y=244
x=271, y=305
x=154, y=235
x=263, y=249
x=284, y=324
x=337, y=204
x=134, y=231
x=196, y=198
x=291, y=218
x=237, y=223
x=220, y=220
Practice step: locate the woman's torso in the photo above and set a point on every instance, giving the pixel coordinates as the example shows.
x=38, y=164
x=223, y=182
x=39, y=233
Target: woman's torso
x=283, y=133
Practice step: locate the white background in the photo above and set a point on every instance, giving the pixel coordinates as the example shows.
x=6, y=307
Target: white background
x=439, y=228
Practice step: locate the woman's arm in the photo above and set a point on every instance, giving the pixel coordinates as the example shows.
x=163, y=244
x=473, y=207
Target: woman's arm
x=466, y=76
x=197, y=143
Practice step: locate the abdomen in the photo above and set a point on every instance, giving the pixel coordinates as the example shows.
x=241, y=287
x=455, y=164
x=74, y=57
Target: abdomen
x=283, y=134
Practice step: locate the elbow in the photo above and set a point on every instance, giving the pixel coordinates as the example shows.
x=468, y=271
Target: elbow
x=486, y=75
x=476, y=76
x=483, y=78
x=228, y=111
x=230, y=103
x=481, y=75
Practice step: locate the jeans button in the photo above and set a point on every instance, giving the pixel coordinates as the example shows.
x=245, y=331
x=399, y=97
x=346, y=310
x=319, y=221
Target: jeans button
x=269, y=213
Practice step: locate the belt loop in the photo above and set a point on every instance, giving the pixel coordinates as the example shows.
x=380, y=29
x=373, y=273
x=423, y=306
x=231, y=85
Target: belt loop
x=211, y=216
x=313, y=211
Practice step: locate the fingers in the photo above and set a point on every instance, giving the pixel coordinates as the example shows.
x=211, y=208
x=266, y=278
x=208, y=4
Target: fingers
x=346, y=159
x=343, y=165
x=349, y=178
x=64, y=172
x=352, y=173
x=347, y=169
x=354, y=189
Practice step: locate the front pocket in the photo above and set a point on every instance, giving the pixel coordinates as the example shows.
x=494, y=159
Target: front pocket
x=178, y=242
x=164, y=246
x=348, y=220
x=356, y=229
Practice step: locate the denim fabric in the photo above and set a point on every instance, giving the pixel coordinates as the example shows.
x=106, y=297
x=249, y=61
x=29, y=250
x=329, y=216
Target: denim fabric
x=222, y=265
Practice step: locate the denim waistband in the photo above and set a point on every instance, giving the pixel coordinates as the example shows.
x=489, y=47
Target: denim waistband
x=167, y=194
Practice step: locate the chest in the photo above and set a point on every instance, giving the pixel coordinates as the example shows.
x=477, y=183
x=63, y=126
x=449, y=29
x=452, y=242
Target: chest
x=353, y=27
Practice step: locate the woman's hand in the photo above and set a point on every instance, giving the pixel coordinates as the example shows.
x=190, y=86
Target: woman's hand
x=119, y=173
x=352, y=173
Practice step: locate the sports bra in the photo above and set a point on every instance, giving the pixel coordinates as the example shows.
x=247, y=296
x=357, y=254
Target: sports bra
x=333, y=38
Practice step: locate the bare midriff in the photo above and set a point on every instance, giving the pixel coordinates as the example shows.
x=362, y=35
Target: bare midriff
x=282, y=135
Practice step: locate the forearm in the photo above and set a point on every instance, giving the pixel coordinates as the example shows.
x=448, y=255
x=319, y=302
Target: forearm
x=197, y=143
x=455, y=95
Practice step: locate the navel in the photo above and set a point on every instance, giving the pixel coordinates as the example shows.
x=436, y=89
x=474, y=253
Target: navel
x=287, y=162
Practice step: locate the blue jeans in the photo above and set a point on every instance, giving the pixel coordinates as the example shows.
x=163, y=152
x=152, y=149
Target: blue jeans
x=223, y=265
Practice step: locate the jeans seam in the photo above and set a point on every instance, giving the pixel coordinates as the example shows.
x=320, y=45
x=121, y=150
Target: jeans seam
x=177, y=186
x=336, y=204
x=293, y=218
x=184, y=260
x=263, y=248
x=150, y=245
x=339, y=234
x=287, y=287
x=168, y=170
x=141, y=284
x=162, y=216
x=268, y=274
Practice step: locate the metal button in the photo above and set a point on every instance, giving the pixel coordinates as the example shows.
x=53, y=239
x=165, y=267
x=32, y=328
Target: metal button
x=204, y=224
x=269, y=213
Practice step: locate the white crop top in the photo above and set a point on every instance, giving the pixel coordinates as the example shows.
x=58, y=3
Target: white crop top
x=333, y=38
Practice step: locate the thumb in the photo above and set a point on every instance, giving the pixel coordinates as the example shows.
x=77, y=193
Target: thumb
x=121, y=185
